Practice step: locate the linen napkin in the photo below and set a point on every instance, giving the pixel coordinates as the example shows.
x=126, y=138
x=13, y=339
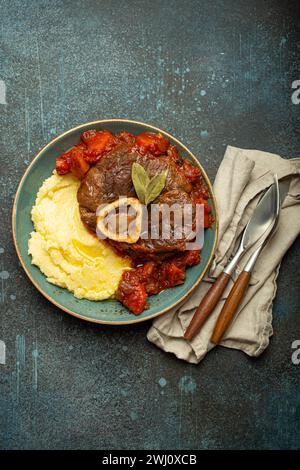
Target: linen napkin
x=242, y=177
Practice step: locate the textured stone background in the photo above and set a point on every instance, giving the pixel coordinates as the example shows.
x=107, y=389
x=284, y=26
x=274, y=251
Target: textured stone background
x=213, y=73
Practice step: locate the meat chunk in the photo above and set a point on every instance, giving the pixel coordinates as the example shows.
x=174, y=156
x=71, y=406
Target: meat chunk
x=111, y=178
x=105, y=182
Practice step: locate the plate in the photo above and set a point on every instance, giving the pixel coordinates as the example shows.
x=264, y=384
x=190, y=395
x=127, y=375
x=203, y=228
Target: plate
x=105, y=311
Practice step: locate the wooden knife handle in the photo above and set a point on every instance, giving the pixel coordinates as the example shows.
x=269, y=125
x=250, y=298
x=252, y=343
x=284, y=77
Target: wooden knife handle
x=230, y=307
x=207, y=305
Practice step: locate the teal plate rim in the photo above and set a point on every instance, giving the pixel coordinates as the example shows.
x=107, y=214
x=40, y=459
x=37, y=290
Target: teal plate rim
x=27, y=266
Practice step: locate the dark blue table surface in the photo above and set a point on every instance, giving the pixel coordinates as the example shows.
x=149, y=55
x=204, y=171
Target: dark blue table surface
x=213, y=74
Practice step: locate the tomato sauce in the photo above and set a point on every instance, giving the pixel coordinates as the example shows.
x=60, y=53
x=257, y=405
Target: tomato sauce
x=152, y=278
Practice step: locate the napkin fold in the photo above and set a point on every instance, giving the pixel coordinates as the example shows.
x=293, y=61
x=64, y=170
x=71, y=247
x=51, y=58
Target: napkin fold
x=242, y=177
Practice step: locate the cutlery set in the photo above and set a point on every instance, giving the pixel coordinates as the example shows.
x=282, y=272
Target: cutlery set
x=258, y=231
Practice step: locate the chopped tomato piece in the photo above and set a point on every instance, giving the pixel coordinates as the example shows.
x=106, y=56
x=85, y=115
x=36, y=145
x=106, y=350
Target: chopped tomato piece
x=191, y=172
x=135, y=301
x=207, y=215
x=207, y=220
x=126, y=137
x=97, y=143
x=63, y=163
x=189, y=258
x=96, y=140
x=132, y=293
x=207, y=210
x=79, y=166
x=144, y=272
x=200, y=191
x=73, y=160
x=173, y=153
x=153, y=285
x=149, y=275
x=172, y=274
x=156, y=144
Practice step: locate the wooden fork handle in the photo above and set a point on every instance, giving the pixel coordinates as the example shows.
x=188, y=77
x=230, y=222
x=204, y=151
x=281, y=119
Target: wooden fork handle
x=230, y=307
x=207, y=305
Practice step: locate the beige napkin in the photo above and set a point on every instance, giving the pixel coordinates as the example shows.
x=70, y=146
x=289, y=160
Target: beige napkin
x=242, y=177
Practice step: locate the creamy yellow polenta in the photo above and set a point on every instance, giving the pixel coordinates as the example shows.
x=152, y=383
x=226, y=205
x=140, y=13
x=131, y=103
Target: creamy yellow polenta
x=64, y=250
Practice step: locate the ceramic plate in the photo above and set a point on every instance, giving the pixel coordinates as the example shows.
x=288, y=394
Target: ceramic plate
x=107, y=311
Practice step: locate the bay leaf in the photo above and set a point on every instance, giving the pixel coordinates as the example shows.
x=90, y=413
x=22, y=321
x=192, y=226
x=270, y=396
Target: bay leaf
x=155, y=187
x=140, y=181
